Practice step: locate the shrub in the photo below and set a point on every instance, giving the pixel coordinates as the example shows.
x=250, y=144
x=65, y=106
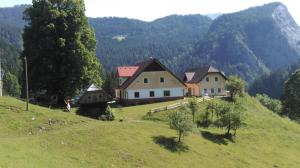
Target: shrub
x=108, y=115
x=272, y=104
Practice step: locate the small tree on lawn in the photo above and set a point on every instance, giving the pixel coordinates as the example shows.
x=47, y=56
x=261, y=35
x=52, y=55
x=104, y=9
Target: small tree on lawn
x=229, y=117
x=235, y=85
x=193, y=106
x=180, y=121
x=207, y=118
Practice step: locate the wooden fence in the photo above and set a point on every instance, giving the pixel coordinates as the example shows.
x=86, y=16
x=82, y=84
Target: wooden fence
x=173, y=106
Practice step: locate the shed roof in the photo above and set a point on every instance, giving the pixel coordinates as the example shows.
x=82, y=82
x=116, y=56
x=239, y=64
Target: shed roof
x=93, y=88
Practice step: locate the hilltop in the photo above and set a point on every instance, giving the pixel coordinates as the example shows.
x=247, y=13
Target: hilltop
x=52, y=138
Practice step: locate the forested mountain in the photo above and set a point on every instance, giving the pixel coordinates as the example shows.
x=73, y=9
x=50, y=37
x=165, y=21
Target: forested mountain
x=272, y=83
x=248, y=43
x=125, y=41
x=11, y=25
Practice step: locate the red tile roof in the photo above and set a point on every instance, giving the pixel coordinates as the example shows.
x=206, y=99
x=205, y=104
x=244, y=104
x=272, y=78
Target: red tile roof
x=126, y=71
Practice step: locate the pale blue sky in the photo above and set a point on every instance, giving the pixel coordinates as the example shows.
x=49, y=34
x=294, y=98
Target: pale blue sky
x=151, y=9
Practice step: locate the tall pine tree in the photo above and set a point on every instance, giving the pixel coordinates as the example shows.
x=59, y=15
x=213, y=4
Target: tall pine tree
x=60, y=48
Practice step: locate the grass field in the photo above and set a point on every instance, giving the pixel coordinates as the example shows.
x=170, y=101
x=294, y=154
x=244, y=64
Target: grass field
x=52, y=138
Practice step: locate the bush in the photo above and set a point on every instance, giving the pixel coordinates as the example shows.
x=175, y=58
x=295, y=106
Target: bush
x=272, y=104
x=108, y=115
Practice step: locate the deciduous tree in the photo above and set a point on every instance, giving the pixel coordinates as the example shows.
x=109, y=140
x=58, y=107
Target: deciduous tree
x=60, y=48
x=11, y=85
x=235, y=85
x=180, y=121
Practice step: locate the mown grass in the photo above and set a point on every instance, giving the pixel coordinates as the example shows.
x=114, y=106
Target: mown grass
x=75, y=141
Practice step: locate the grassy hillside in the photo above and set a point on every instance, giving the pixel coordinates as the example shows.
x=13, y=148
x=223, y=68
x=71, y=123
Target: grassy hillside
x=31, y=139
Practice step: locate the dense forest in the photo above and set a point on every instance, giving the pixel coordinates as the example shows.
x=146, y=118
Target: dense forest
x=259, y=44
x=124, y=41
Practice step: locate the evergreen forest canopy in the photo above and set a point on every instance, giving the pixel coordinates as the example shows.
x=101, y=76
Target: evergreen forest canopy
x=259, y=40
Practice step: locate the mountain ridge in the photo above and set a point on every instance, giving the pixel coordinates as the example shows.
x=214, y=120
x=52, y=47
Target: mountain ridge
x=247, y=43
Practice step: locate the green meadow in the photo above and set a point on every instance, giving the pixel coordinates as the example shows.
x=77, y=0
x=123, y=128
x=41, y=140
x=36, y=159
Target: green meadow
x=44, y=137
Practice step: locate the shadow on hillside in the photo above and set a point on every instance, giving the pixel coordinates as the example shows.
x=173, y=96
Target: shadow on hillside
x=217, y=138
x=170, y=143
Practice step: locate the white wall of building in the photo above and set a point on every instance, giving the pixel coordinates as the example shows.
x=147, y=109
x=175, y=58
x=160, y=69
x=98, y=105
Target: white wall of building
x=159, y=93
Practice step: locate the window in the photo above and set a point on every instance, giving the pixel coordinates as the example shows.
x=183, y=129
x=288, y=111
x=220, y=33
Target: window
x=212, y=90
x=167, y=93
x=162, y=80
x=207, y=79
x=216, y=79
x=136, y=94
x=151, y=94
x=145, y=80
x=219, y=90
x=205, y=90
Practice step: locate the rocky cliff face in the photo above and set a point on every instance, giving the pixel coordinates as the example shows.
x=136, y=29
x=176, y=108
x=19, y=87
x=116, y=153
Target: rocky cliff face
x=288, y=26
x=251, y=42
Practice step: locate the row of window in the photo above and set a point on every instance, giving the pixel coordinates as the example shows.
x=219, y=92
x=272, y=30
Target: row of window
x=216, y=79
x=167, y=93
x=162, y=80
x=212, y=90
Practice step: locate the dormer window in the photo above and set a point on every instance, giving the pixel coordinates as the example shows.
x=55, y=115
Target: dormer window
x=207, y=79
x=162, y=80
x=145, y=80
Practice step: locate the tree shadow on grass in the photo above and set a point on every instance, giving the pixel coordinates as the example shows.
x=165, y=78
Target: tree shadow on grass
x=221, y=139
x=170, y=143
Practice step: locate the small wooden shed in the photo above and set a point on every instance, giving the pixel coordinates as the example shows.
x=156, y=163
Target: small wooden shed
x=94, y=95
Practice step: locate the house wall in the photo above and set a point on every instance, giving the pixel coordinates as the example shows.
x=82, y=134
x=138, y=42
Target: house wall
x=154, y=81
x=93, y=97
x=194, y=88
x=212, y=84
x=158, y=93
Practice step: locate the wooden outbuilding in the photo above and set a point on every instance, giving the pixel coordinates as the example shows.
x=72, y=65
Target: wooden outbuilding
x=94, y=95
